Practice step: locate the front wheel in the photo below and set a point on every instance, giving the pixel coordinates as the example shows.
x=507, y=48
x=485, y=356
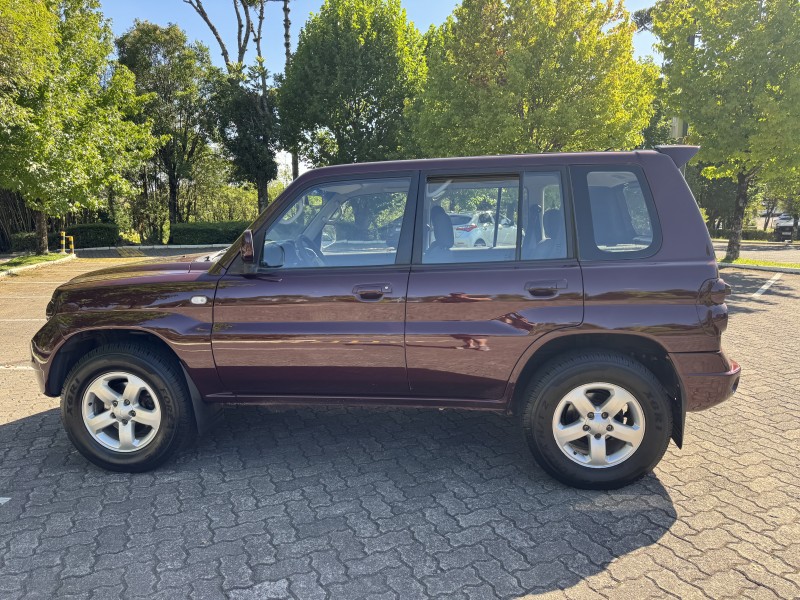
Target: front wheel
x=596, y=420
x=125, y=407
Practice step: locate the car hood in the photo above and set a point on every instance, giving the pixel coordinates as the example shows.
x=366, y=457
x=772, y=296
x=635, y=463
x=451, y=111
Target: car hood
x=153, y=268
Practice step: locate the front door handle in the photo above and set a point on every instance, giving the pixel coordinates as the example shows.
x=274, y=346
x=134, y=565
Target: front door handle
x=545, y=289
x=371, y=292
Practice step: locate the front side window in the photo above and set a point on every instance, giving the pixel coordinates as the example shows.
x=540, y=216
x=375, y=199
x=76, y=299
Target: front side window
x=340, y=224
x=469, y=220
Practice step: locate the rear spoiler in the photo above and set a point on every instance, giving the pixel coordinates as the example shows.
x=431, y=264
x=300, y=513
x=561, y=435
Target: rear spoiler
x=680, y=155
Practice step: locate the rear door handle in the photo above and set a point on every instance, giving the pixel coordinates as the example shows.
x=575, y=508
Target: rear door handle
x=546, y=289
x=371, y=292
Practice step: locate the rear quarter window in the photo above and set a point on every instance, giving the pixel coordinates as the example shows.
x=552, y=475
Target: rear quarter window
x=616, y=216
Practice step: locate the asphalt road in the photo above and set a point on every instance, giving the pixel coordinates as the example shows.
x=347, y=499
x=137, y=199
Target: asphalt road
x=347, y=504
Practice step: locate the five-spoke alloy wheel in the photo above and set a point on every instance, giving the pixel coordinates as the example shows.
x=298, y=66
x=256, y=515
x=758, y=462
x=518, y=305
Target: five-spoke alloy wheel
x=596, y=419
x=126, y=407
x=121, y=411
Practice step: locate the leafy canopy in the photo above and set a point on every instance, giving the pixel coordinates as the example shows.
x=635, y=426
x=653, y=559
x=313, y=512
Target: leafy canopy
x=77, y=137
x=731, y=71
x=357, y=65
x=533, y=76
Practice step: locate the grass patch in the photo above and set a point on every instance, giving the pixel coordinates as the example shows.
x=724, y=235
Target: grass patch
x=31, y=259
x=761, y=263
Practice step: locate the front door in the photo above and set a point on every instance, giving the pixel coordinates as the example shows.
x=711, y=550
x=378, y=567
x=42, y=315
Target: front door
x=324, y=313
x=473, y=312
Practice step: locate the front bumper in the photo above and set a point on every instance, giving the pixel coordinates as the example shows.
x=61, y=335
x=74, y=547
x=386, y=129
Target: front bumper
x=707, y=378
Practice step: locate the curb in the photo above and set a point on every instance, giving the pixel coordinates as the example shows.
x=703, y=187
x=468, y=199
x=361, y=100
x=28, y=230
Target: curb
x=795, y=245
x=162, y=247
x=791, y=270
x=67, y=258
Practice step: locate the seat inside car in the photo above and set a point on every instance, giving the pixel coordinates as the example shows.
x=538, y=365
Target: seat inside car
x=440, y=250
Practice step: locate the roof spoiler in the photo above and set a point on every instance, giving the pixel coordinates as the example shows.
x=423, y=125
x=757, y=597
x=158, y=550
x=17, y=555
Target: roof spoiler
x=680, y=155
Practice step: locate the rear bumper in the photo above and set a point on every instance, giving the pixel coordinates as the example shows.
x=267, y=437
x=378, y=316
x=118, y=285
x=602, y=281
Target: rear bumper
x=707, y=378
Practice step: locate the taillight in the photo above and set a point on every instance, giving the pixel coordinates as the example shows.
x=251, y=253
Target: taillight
x=469, y=227
x=711, y=307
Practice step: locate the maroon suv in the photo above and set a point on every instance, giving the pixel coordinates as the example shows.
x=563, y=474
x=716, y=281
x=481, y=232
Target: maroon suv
x=593, y=312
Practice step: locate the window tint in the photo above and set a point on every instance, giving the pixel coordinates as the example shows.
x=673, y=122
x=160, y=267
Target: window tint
x=543, y=217
x=470, y=220
x=345, y=224
x=621, y=220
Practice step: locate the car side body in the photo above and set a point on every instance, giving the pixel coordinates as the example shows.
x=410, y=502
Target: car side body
x=403, y=334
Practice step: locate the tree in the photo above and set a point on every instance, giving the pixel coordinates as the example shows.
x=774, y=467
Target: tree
x=533, y=76
x=175, y=74
x=27, y=38
x=245, y=105
x=731, y=84
x=77, y=137
x=357, y=65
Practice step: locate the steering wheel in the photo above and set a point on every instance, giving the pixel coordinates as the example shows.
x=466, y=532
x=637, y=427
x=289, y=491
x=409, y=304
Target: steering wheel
x=307, y=253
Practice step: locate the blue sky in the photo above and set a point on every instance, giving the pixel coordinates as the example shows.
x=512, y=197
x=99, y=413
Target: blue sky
x=422, y=12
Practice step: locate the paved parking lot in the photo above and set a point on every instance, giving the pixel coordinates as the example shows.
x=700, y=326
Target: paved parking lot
x=346, y=504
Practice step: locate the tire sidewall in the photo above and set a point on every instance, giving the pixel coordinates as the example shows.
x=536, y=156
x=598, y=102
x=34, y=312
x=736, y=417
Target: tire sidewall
x=71, y=411
x=551, y=390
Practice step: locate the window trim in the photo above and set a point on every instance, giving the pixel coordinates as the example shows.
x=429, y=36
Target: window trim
x=402, y=256
x=587, y=246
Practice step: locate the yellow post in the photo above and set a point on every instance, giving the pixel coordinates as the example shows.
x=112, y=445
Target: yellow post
x=63, y=245
x=71, y=244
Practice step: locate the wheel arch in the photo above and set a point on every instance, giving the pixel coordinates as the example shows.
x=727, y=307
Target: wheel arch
x=79, y=344
x=643, y=349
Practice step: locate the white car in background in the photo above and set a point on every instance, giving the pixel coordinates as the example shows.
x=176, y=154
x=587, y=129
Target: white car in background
x=476, y=230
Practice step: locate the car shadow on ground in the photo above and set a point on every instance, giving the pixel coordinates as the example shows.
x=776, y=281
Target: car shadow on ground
x=344, y=502
x=745, y=284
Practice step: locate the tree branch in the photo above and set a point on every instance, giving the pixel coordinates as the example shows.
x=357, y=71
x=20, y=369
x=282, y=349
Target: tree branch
x=197, y=5
x=248, y=26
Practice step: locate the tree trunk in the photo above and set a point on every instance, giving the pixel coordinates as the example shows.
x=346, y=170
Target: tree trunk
x=41, y=233
x=795, y=231
x=295, y=165
x=735, y=241
x=173, y=199
x=262, y=187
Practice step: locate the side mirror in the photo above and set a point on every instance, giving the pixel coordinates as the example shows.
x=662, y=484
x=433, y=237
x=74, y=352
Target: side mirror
x=273, y=255
x=247, y=249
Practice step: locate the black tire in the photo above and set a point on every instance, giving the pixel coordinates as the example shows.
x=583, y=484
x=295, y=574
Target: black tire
x=162, y=373
x=479, y=244
x=564, y=374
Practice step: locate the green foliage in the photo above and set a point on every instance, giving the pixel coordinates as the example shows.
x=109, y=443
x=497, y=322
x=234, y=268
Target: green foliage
x=358, y=64
x=246, y=121
x=175, y=76
x=77, y=138
x=533, y=76
x=88, y=235
x=207, y=233
x=27, y=37
x=731, y=71
x=94, y=235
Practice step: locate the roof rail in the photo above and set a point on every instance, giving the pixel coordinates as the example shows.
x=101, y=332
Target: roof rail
x=680, y=155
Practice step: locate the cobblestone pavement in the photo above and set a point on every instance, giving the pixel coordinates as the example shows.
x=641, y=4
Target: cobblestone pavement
x=347, y=504
x=773, y=252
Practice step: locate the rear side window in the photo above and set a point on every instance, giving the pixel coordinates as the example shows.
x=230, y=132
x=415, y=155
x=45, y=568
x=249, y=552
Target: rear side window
x=615, y=213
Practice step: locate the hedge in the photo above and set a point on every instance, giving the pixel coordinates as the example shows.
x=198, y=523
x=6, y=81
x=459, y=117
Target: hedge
x=91, y=235
x=224, y=232
x=94, y=235
x=747, y=234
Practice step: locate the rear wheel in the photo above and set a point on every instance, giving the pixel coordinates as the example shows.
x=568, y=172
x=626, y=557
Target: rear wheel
x=125, y=407
x=596, y=420
x=480, y=244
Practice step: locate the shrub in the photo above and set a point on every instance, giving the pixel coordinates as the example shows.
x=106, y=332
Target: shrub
x=25, y=241
x=94, y=235
x=747, y=234
x=224, y=232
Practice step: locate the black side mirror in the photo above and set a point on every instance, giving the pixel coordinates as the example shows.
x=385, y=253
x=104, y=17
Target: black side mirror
x=274, y=255
x=247, y=249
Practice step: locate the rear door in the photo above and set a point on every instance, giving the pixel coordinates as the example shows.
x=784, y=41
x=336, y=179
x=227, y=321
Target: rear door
x=472, y=312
